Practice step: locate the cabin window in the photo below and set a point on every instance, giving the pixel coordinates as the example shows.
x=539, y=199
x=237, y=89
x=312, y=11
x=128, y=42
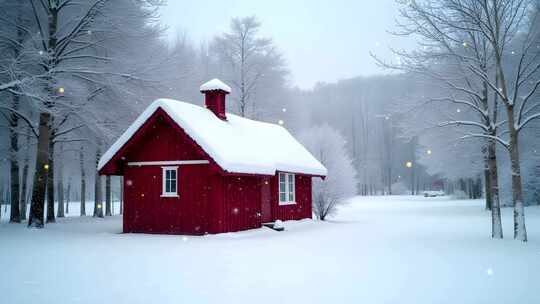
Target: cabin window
x=287, y=195
x=170, y=182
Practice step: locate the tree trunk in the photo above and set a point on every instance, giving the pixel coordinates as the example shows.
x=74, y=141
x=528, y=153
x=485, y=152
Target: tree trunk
x=487, y=181
x=412, y=181
x=470, y=186
x=24, y=194
x=496, y=223
x=68, y=194
x=98, y=207
x=390, y=179
x=15, y=215
x=83, y=183
x=60, y=184
x=50, y=182
x=121, y=195
x=520, y=231
x=479, y=191
x=37, y=209
x=108, y=195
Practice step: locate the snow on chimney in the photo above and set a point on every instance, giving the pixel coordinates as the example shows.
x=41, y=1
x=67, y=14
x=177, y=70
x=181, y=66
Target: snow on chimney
x=214, y=96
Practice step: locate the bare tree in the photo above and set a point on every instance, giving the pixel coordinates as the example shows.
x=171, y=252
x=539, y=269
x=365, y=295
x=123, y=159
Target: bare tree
x=450, y=49
x=72, y=58
x=252, y=60
x=58, y=47
x=511, y=25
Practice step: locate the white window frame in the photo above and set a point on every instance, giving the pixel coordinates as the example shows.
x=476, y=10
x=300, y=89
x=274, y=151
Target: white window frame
x=288, y=191
x=164, y=170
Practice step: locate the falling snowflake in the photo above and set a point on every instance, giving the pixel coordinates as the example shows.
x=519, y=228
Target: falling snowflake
x=185, y=238
x=129, y=182
x=489, y=271
x=235, y=211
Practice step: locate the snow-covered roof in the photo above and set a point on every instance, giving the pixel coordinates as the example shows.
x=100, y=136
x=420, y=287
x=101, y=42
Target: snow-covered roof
x=215, y=84
x=237, y=145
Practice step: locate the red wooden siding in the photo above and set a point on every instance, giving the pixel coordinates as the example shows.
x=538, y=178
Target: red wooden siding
x=210, y=200
x=240, y=208
x=302, y=208
x=146, y=210
x=266, y=200
x=162, y=142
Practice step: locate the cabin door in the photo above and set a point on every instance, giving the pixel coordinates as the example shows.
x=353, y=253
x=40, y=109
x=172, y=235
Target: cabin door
x=266, y=201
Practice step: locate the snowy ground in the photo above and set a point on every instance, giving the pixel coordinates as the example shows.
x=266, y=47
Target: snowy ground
x=377, y=250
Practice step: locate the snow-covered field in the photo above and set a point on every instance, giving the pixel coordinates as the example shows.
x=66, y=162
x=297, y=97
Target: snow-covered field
x=377, y=250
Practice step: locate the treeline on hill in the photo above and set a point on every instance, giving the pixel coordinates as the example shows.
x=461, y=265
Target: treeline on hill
x=70, y=85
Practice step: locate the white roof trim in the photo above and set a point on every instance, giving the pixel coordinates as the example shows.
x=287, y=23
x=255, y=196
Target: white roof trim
x=169, y=163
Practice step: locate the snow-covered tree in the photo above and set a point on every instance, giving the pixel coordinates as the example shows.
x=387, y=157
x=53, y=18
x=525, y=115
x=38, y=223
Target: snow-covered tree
x=328, y=146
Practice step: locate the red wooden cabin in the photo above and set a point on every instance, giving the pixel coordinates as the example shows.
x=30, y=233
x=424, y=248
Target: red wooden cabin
x=195, y=170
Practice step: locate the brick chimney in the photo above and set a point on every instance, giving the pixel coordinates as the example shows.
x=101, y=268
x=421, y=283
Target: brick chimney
x=214, y=96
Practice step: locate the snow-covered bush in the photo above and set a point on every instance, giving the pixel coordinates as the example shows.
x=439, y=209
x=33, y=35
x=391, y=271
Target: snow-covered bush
x=278, y=224
x=328, y=146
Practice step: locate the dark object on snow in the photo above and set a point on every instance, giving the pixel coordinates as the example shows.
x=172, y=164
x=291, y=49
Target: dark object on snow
x=433, y=193
x=277, y=225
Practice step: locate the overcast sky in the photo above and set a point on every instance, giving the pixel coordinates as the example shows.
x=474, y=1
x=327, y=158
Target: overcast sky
x=322, y=40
